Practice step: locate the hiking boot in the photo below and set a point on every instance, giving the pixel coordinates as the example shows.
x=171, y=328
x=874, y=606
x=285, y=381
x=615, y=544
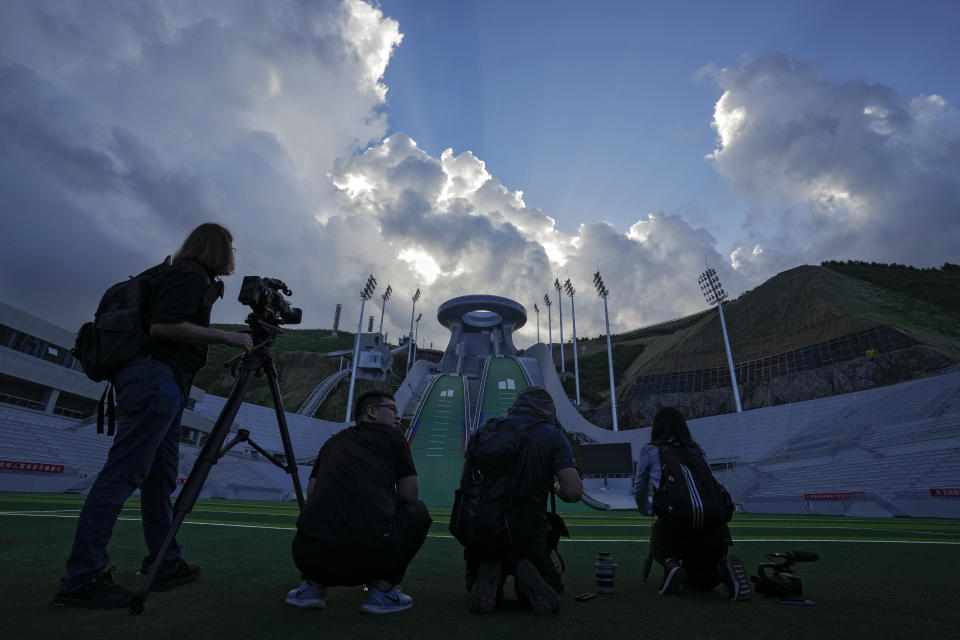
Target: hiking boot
x=308, y=596
x=673, y=578
x=483, y=594
x=183, y=574
x=540, y=595
x=734, y=574
x=380, y=602
x=99, y=593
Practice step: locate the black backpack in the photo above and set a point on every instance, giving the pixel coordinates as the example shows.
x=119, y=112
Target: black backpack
x=689, y=497
x=118, y=333
x=493, y=509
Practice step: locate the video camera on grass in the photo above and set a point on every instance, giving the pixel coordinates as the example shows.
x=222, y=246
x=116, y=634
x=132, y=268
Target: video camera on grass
x=783, y=581
x=263, y=296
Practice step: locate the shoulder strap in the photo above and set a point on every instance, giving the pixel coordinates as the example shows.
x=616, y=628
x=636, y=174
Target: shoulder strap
x=155, y=270
x=108, y=405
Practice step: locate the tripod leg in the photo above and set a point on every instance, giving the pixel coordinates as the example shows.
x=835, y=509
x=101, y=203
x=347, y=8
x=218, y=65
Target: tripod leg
x=291, y=466
x=198, y=475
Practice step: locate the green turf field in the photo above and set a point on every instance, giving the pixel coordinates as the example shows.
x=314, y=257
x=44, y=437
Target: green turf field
x=877, y=578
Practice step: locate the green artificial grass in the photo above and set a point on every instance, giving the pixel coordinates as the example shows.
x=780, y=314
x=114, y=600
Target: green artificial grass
x=877, y=578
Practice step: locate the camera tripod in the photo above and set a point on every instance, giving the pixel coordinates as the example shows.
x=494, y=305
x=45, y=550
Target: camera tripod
x=257, y=360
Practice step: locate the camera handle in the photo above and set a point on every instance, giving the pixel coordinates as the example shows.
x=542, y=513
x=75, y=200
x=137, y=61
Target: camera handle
x=256, y=360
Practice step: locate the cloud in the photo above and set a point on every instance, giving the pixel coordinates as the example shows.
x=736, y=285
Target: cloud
x=836, y=170
x=125, y=126
x=480, y=237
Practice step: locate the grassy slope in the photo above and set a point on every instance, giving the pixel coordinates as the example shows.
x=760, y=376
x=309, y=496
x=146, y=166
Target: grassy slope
x=298, y=354
x=866, y=590
x=923, y=302
x=797, y=308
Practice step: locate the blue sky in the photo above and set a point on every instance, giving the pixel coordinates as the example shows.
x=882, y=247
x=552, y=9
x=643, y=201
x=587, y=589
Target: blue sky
x=473, y=147
x=598, y=110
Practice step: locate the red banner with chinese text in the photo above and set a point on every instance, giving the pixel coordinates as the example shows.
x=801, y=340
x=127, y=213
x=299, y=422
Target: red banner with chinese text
x=945, y=493
x=835, y=495
x=40, y=467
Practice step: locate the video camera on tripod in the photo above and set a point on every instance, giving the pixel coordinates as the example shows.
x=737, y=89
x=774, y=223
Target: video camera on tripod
x=783, y=581
x=262, y=295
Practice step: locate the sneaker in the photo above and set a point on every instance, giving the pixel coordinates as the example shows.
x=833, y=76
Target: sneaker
x=540, y=595
x=673, y=578
x=308, y=596
x=183, y=574
x=99, y=593
x=483, y=594
x=145, y=566
x=392, y=601
x=735, y=577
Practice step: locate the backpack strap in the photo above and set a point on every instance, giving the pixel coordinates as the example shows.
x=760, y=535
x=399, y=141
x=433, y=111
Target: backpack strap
x=108, y=405
x=103, y=399
x=112, y=412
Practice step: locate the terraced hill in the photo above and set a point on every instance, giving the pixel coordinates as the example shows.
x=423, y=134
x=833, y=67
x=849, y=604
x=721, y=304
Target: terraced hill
x=885, y=322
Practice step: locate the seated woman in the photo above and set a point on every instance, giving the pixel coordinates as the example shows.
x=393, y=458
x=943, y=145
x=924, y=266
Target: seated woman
x=692, y=550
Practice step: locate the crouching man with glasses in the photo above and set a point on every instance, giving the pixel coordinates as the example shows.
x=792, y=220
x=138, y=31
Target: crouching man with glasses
x=362, y=522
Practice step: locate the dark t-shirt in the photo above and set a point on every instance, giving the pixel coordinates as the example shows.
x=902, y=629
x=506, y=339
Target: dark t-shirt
x=177, y=295
x=548, y=452
x=356, y=496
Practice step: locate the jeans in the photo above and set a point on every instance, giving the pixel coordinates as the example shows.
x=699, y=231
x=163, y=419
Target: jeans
x=144, y=455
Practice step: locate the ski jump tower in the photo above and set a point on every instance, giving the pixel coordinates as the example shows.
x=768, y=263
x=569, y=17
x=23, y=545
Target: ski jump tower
x=480, y=326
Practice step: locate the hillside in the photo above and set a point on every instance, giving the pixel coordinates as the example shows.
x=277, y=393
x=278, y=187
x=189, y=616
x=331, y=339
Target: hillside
x=803, y=309
x=907, y=318
x=301, y=365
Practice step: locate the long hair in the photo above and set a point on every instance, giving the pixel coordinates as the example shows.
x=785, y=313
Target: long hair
x=668, y=424
x=212, y=246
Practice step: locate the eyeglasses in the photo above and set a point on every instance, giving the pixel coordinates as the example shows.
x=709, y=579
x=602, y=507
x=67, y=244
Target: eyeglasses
x=392, y=407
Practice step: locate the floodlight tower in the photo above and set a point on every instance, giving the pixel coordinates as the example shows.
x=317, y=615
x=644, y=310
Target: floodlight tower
x=365, y=295
x=573, y=315
x=416, y=336
x=603, y=292
x=714, y=293
x=385, y=296
x=336, y=320
x=546, y=301
x=537, y=309
x=416, y=297
x=556, y=285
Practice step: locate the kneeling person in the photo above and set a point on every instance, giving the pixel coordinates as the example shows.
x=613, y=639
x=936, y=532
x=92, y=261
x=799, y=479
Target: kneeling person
x=362, y=522
x=690, y=536
x=543, y=463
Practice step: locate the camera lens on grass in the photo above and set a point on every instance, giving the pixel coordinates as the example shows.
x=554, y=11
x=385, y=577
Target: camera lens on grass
x=606, y=569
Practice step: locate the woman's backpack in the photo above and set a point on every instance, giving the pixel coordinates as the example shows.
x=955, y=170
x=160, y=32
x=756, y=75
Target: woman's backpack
x=689, y=497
